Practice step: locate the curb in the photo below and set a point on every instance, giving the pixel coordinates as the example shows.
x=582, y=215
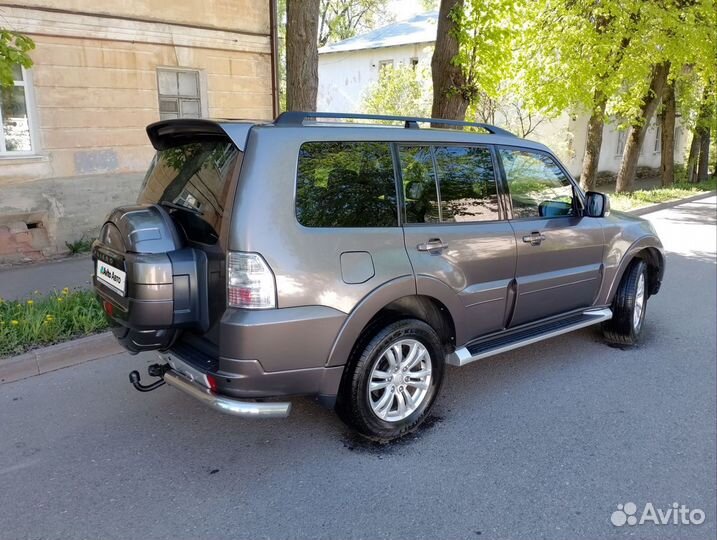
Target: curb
x=79, y=351
x=669, y=204
x=68, y=353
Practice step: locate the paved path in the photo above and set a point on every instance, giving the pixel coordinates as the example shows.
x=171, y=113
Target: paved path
x=537, y=443
x=22, y=281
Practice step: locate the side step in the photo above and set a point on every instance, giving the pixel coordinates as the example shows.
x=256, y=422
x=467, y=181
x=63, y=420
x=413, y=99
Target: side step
x=491, y=346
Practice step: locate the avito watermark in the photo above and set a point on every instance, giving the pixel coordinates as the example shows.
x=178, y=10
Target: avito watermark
x=677, y=514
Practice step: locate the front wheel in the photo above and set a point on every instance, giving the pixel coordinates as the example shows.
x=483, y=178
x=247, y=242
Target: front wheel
x=391, y=382
x=628, y=307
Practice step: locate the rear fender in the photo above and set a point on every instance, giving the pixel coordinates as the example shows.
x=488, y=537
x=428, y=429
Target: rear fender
x=357, y=320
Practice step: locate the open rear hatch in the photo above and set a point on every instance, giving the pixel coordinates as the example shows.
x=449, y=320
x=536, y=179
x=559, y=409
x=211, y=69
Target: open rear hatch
x=159, y=264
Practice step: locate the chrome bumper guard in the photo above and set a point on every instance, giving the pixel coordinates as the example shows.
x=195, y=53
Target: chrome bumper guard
x=186, y=381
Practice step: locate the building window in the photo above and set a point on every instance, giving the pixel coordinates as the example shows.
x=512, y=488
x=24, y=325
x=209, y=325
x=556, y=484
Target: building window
x=621, y=140
x=658, y=140
x=179, y=94
x=414, y=62
x=16, y=138
x=383, y=65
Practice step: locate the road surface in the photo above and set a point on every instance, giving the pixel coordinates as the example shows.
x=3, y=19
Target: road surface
x=542, y=442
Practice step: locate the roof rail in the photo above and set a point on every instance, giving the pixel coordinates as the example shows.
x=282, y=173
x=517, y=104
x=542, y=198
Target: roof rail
x=296, y=118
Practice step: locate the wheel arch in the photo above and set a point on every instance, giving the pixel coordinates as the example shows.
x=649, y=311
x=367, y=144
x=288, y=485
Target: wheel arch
x=655, y=260
x=385, y=306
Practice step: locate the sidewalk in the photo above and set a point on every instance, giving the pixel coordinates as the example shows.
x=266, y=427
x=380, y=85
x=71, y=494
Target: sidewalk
x=22, y=281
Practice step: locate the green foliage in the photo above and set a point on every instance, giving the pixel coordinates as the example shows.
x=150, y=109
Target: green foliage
x=568, y=54
x=43, y=320
x=83, y=245
x=401, y=91
x=14, y=50
x=343, y=19
x=645, y=197
x=486, y=32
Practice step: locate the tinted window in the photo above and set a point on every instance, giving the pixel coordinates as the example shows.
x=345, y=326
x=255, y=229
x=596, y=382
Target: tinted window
x=538, y=187
x=419, y=184
x=466, y=184
x=344, y=184
x=195, y=177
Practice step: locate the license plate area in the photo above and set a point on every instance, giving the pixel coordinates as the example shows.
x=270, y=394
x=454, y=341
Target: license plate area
x=112, y=276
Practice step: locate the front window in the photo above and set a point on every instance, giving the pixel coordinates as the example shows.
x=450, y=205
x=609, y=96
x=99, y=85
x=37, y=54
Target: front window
x=15, y=137
x=537, y=186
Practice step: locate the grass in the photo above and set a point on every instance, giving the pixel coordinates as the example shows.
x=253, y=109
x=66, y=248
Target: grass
x=645, y=197
x=44, y=320
x=82, y=245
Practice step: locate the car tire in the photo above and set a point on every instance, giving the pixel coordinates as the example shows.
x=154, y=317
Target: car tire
x=386, y=392
x=628, y=307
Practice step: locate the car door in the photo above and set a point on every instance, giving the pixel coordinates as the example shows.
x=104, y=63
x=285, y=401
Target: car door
x=560, y=252
x=456, y=233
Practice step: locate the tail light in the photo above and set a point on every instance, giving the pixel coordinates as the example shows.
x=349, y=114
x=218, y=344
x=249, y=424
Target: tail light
x=250, y=282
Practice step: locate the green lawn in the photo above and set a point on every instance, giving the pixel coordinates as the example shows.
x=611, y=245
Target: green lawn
x=43, y=320
x=645, y=197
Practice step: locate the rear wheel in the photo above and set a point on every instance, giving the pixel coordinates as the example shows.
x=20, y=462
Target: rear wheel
x=628, y=307
x=392, y=381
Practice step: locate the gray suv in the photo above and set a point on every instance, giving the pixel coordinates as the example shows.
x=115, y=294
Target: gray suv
x=353, y=261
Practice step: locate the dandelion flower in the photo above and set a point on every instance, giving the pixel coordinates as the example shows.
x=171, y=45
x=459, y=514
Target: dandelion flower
x=14, y=322
x=59, y=299
x=30, y=302
x=65, y=291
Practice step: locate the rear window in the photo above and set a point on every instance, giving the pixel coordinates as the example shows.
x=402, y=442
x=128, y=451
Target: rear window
x=192, y=182
x=346, y=184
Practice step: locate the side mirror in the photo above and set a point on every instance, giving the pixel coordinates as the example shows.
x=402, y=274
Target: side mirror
x=597, y=204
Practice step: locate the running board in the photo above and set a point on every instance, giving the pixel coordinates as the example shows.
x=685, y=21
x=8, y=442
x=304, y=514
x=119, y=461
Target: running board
x=484, y=348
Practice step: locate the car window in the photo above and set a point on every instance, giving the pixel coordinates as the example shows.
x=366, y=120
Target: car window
x=346, y=184
x=537, y=186
x=466, y=184
x=419, y=184
x=192, y=181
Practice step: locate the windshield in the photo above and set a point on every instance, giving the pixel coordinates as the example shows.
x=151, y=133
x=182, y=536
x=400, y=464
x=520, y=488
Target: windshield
x=192, y=182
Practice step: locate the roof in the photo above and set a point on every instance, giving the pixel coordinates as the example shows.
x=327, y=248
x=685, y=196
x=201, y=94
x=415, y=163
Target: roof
x=418, y=29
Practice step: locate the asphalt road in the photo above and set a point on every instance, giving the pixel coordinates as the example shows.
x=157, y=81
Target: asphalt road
x=543, y=442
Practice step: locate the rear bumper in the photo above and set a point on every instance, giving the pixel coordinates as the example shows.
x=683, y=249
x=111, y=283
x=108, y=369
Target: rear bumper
x=225, y=404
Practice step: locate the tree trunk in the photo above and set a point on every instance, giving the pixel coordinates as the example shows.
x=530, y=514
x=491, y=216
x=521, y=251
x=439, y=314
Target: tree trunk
x=698, y=134
x=636, y=134
x=302, y=57
x=667, y=136
x=449, y=100
x=703, y=162
x=693, y=156
x=593, y=143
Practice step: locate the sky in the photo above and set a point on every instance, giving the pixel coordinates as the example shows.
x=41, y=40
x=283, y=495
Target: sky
x=404, y=9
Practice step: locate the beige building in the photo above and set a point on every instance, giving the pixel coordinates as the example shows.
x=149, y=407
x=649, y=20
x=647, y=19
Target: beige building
x=73, y=143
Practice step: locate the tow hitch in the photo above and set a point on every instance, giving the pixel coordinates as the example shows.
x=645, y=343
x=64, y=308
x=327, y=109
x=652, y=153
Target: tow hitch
x=189, y=381
x=155, y=370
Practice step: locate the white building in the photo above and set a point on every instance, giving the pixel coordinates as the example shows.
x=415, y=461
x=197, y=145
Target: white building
x=348, y=68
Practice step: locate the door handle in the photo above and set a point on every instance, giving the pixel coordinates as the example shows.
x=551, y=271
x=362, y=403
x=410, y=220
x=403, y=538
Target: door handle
x=434, y=244
x=534, y=238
